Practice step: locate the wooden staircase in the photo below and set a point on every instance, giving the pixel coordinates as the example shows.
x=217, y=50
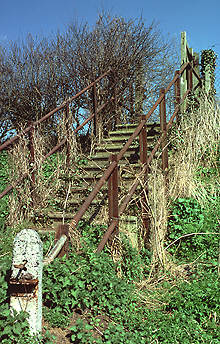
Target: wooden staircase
x=76, y=187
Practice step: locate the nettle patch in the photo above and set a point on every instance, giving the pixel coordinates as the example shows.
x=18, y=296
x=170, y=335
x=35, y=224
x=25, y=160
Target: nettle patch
x=193, y=231
x=98, y=301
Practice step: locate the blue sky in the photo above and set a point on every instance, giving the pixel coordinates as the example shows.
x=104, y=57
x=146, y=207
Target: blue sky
x=199, y=18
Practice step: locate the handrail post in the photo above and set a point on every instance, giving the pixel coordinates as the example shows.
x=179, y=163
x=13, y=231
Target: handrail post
x=116, y=114
x=113, y=194
x=191, y=70
x=177, y=95
x=117, y=119
x=189, y=78
x=32, y=163
x=184, y=59
x=62, y=229
x=163, y=127
x=67, y=125
x=95, y=106
x=131, y=102
x=197, y=69
x=144, y=200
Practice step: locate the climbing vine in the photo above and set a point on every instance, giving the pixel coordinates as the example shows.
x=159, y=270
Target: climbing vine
x=208, y=63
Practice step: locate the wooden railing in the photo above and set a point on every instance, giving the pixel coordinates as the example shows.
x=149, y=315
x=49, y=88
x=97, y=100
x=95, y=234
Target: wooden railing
x=191, y=76
x=65, y=142
x=185, y=81
x=111, y=172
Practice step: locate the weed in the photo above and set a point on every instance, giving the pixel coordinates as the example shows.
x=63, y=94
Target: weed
x=194, y=230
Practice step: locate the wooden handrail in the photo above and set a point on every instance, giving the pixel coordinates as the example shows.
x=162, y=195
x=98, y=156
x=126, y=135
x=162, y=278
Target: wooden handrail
x=111, y=167
x=49, y=114
x=130, y=193
x=54, y=150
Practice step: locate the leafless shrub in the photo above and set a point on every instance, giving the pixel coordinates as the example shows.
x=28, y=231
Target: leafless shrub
x=39, y=74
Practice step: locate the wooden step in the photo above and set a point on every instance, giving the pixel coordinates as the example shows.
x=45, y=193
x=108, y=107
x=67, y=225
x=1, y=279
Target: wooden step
x=126, y=132
x=122, y=132
x=60, y=215
x=134, y=125
x=121, y=140
x=109, y=147
x=72, y=202
x=105, y=156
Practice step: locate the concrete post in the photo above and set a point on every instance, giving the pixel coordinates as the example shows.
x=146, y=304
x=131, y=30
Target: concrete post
x=25, y=286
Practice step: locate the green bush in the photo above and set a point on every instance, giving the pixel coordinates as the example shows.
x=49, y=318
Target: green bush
x=190, y=316
x=83, y=281
x=87, y=282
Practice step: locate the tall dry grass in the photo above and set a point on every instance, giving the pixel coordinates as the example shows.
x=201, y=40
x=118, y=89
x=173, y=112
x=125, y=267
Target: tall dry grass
x=27, y=199
x=20, y=198
x=195, y=148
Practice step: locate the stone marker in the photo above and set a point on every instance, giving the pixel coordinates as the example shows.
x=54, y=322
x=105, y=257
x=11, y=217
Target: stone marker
x=25, y=286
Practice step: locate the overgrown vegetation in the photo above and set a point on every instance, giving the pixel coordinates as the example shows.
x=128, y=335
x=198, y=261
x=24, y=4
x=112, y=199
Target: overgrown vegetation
x=208, y=66
x=102, y=305
x=163, y=292
x=165, y=295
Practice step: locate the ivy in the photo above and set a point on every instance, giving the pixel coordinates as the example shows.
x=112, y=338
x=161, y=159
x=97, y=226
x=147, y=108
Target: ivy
x=208, y=59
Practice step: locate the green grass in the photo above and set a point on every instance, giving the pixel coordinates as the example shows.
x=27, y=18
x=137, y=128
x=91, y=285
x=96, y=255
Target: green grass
x=88, y=284
x=111, y=300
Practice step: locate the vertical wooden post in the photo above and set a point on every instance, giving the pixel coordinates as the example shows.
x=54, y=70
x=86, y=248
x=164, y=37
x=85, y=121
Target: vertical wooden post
x=197, y=69
x=67, y=125
x=190, y=70
x=143, y=142
x=190, y=86
x=163, y=126
x=196, y=63
x=189, y=74
x=117, y=119
x=62, y=229
x=144, y=201
x=184, y=75
x=95, y=106
x=113, y=194
x=131, y=101
x=177, y=95
x=32, y=162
